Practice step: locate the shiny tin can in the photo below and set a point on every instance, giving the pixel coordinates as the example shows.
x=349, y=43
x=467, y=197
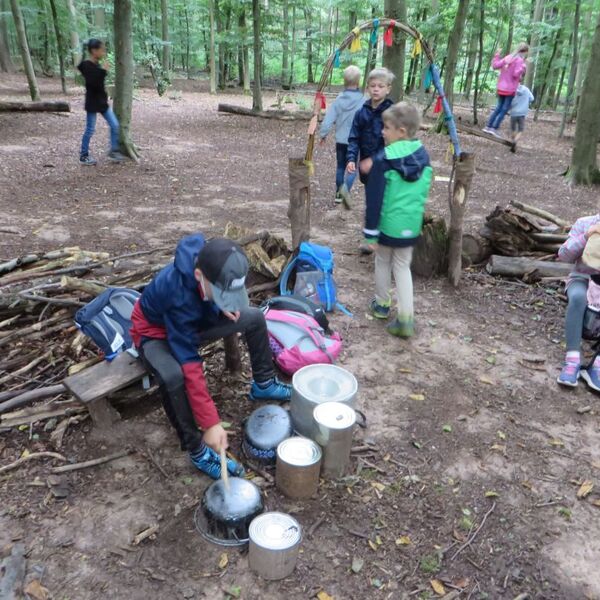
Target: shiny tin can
x=274, y=544
x=315, y=384
x=335, y=422
x=298, y=467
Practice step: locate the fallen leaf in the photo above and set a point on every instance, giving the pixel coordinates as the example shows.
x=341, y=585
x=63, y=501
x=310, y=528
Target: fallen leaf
x=458, y=535
x=376, y=582
x=223, y=560
x=463, y=582
x=357, y=564
x=417, y=445
x=491, y=360
x=225, y=424
x=36, y=590
x=324, y=596
x=25, y=454
x=498, y=448
x=487, y=380
x=438, y=587
x=596, y=502
x=378, y=540
x=418, y=397
x=447, y=428
x=501, y=435
x=556, y=442
x=405, y=370
x=403, y=540
x=235, y=591
x=378, y=486
x=586, y=487
x=491, y=494
x=596, y=464
x=373, y=545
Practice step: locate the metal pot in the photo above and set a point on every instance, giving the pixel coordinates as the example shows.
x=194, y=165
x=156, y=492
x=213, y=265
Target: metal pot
x=315, y=384
x=224, y=515
x=274, y=544
x=336, y=425
x=265, y=429
x=298, y=467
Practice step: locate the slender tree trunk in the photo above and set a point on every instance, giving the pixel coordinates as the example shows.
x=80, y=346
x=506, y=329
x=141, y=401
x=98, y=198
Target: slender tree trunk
x=293, y=52
x=187, y=39
x=73, y=35
x=471, y=56
x=34, y=90
x=479, y=59
x=123, y=99
x=46, y=59
x=244, y=42
x=220, y=46
x=584, y=161
x=545, y=81
x=166, y=49
x=59, y=46
x=99, y=17
x=285, y=45
x=394, y=55
x=257, y=103
x=212, y=51
x=454, y=44
x=573, y=70
x=6, y=63
x=511, y=25
x=534, y=43
x=310, y=77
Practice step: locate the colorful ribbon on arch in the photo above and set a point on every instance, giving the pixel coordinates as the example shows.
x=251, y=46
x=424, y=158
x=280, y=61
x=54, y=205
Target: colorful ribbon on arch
x=320, y=100
x=355, y=44
x=388, y=36
x=374, y=32
x=336, y=59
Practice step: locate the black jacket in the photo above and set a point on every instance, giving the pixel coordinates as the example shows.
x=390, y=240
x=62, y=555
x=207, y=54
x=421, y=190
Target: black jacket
x=96, y=98
x=365, y=137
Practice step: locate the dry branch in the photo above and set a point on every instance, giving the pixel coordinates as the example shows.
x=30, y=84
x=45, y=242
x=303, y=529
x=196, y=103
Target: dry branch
x=543, y=214
x=32, y=395
x=28, y=457
x=518, y=266
x=282, y=115
x=57, y=106
x=92, y=463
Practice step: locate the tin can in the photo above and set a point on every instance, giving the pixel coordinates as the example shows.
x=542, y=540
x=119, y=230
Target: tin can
x=298, y=467
x=274, y=544
x=335, y=422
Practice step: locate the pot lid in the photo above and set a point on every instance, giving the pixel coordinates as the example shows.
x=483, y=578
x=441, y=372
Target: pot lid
x=299, y=451
x=325, y=383
x=334, y=415
x=275, y=531
x=241, y=500
x=267, y=426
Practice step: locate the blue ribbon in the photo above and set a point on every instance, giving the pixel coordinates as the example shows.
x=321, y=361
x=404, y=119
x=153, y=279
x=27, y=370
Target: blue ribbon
x=374, y=32
x=336, y=59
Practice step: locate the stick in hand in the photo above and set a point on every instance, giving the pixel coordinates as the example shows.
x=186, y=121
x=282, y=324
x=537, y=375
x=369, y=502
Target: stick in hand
x=224, y=473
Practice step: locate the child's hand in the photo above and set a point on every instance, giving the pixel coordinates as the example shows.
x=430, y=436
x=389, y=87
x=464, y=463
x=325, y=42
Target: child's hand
x=215, y=437
x=366, y=165
x=351, y=167
x=106, y=65
x=592, y=230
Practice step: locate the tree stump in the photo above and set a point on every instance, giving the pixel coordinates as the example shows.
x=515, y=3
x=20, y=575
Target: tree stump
x=475, y=248
x=431, y=252
x=463, y=176
x=299, y=209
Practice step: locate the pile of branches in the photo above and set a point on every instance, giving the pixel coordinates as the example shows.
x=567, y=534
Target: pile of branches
x=39, y=294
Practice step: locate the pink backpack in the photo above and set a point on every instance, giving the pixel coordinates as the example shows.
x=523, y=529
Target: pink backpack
x=297, y=340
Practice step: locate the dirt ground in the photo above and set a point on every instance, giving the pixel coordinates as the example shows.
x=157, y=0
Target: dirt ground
x=471, y=432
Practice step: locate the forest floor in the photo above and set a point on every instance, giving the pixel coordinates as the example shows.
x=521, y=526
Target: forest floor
x=465, y=418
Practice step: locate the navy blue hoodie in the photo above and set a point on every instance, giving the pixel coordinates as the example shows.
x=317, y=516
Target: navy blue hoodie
x=366, y=137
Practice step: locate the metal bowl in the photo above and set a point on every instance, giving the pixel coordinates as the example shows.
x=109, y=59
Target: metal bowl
x=265, y=429
x=224, y=515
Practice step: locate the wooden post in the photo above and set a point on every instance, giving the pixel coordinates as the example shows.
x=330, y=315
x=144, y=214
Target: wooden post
x=233, y=357
x=463, y=176
x=299, y=209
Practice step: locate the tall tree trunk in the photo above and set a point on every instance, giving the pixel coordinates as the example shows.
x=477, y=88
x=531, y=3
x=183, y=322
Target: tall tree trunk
x=212, y=51
x=545, y=81
x=244, y=42
x=187, y=39
x=46, y=62
x=257, y=103
x=34, y=90
x=454, y=44
x=584, y=161
x=123, y=99
x=534, y=43
x=511, y=25
x=220, y=46
x=285, y=44
x=99, y=17
x=394, y=55
x=479, y=59
x=74, y=36
x=60, y=48
x=471, y=55
x=293, y=51
x=6, y=63
x=310, y=77
x=166, y=49
x=573, y=69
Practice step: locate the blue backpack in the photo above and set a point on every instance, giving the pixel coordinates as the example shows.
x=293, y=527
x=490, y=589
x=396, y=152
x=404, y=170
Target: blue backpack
x=313, y=268
x=107, y=320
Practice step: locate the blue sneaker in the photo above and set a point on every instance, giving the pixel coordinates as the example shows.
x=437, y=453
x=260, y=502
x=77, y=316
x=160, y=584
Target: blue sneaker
x=570, y=374
x=209, y=462
x=275, y=390
x=591, y=376
x=379, y=311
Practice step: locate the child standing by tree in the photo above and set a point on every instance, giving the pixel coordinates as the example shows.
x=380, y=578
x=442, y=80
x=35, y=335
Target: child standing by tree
x=96, y=101
x=341, y=113
x=397, y=190
x=518, y=111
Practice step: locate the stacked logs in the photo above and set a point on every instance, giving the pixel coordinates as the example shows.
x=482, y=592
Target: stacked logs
x=40, y=292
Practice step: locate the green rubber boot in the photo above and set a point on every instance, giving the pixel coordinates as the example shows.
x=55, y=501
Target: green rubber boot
x=402, y=329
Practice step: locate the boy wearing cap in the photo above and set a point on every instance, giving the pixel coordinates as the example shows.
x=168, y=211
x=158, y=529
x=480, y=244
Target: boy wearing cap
x=582, y=248
x=198, y=298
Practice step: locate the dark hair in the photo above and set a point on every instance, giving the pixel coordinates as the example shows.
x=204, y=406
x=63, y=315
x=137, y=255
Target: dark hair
x=93, y=44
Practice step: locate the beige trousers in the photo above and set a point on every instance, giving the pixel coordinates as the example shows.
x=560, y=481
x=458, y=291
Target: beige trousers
x=396, y=260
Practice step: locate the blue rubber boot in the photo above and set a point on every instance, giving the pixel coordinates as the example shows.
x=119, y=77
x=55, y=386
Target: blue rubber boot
x=209, y=462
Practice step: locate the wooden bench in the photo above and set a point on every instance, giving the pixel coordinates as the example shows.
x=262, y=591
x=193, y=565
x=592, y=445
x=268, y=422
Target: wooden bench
x=94, y=385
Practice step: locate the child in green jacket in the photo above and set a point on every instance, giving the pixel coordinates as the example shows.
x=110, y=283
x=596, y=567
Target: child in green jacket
x=397, y=191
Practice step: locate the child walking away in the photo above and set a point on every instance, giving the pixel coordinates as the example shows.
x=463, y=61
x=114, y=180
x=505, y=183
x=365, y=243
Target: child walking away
x=512, y=67
x=341, y=113
x=518, y=112
x=397, y=191
x=96, y=101
x=582, y=248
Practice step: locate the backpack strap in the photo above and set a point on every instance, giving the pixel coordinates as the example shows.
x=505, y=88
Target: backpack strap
x=285, y=277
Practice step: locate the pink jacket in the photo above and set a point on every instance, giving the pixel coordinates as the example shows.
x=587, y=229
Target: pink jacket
x=572, y=250
x=511, y=72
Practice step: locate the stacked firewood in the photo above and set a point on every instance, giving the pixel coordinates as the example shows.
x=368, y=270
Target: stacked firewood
x=40, y=292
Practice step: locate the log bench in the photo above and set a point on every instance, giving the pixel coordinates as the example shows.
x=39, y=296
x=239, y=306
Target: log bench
x=93, y=386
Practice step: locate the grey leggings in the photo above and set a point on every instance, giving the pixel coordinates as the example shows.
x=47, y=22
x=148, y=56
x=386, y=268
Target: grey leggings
x=577, y=295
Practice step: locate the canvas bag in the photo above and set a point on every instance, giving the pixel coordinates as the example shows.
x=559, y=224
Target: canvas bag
x=107, y=320
x=297, y=340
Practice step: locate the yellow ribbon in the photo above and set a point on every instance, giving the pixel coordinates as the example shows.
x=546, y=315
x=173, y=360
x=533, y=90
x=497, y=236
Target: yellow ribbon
x=416, y=48
x=355, y=44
